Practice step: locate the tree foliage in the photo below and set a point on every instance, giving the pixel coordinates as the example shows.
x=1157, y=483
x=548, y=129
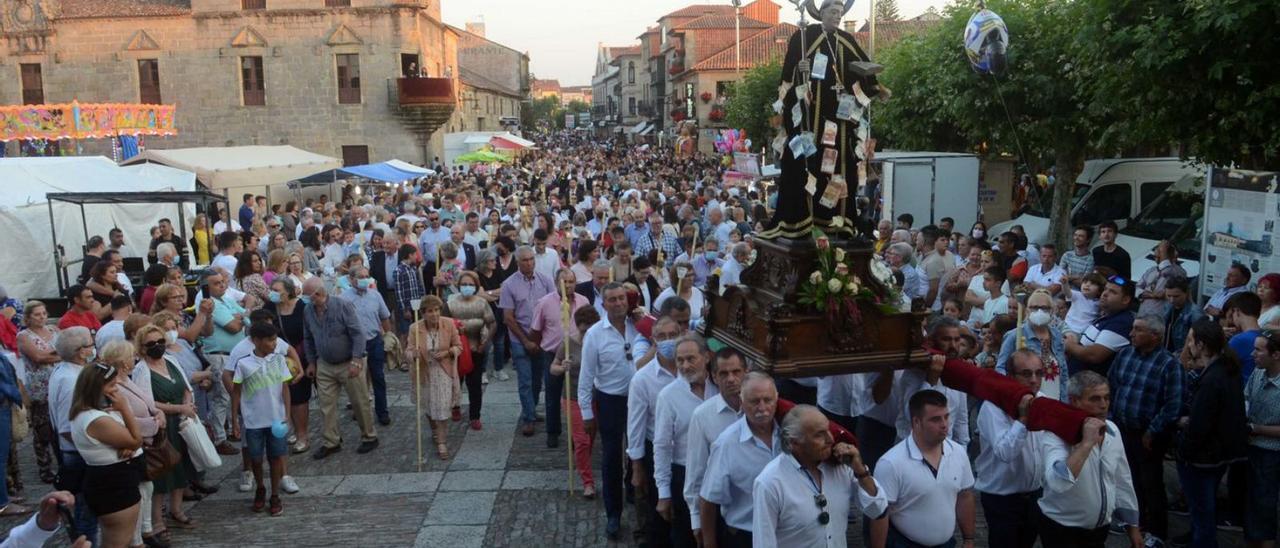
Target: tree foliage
x=541, y=111
x=749, y=106
x=887, y=10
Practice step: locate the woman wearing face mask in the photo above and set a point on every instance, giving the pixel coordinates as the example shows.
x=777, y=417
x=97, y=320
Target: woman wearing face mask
x=182, y=352
x=979, y=231
x=288, y=310
x=173, y=397
x=682, y=285
x=1043, y=339
x=173, y=299
x=121, y=355
x=1212, y=427
x=478, y=324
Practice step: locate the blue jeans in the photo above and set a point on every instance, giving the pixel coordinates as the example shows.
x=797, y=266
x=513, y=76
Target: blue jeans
x=529, y=376
x=71, y=465
x=1264, y=488
x=376, y=360
x=501, y=346
x=1200, y=486
x=6, y=430
x=611, y=422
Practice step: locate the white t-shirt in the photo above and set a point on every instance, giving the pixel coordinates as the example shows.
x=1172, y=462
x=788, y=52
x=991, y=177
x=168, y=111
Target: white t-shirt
x=221, y=226
x=1082, y=313
x=261, y=395
x=94, y=452
x=1037, y=275
x=993, y=307
x=111, y=331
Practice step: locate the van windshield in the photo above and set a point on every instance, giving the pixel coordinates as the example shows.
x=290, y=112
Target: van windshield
x=1177, y=215
x=1041, y=202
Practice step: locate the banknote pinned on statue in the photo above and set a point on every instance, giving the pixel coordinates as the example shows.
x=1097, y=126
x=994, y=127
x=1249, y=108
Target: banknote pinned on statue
x=860, y=95
x=783, y=89
x=802, y=93
x=797, y=115
x=780, y=143
x=862, y=174
x=829, y=161
x=829, y=131
x=863, y=134
x=847, y=107
x=819, y=71
x=777, y=106
x=812, y=185
x=836, y=188
x=810, y=146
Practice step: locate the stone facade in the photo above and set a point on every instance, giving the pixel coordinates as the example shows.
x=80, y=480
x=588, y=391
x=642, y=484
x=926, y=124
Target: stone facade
x=91, y=54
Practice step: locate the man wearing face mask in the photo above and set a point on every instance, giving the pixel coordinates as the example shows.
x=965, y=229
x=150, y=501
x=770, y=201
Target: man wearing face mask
x=642, y=398
x=706, y=262
x=335, y=342
x=673, y=411
x=375, y=319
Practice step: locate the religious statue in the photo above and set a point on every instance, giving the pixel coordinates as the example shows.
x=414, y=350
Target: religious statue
x=827, y=85
x=687, y=142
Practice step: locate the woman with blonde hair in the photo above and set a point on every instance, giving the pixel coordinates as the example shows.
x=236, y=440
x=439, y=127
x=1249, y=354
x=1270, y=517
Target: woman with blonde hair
x=121, y=355
x=108, y=438
x=172, y=396
x=478, y=325
x=296, y=267
x=173, y=299
x=201, y=239
x=35, y=345
x=434, y=347
x=277, y=261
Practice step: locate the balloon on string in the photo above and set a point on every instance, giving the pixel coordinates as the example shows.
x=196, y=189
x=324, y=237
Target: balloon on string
x=279, y=429
x=986, y=42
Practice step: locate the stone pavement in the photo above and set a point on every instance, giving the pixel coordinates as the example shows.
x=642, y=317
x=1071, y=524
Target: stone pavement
x=498, y=489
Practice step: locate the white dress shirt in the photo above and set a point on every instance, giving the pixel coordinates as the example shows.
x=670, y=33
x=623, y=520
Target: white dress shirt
x=785, y=513
x=885, y=412
x=912, y=381
x=547, y=263
x=922, y=502
x=29, y=534
x=730, y=273
x=675, y=407
x=1104, y=487
x=835, y=393
x=642, y=402
x=1010, y=459
x=1037, y=275
x=737, y=457
x=605, y=366
x=709, y=420
x=62, y=385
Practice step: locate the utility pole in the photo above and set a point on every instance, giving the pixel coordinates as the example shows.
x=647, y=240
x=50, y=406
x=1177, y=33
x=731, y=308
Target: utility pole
x=871, y=45
x=737, y=38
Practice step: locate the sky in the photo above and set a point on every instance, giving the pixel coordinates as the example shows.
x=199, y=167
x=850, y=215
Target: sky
x=561, y=36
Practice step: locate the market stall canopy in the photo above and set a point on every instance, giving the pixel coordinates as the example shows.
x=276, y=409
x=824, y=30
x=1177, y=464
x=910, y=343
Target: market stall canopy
x=24, y=212
x=481, y=157
x=391, y=171
x=510, y=141
x=246, y=166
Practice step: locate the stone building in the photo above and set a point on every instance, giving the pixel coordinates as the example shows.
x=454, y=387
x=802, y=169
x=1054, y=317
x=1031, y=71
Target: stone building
x=495, y=82
x=326, y=76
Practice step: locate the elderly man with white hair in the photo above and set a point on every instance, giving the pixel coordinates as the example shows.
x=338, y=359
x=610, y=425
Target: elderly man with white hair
x=731, y=271
x=737, y=457
x=803, y=496
x=899, y=257
x=76, y=349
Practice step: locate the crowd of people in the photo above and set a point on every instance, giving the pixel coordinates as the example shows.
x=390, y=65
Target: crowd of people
x=592, y=263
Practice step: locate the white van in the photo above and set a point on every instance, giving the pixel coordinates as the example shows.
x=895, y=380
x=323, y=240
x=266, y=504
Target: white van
x=1177, y=216
x=1106, y=190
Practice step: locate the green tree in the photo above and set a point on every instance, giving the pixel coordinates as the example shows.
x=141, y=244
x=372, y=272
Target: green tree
x=542, y=111
x=1201, y=75
x=940, y=102
x=887, y=10
x=749, y=103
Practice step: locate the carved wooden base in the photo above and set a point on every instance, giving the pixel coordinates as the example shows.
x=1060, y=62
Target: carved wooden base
x=764, y=320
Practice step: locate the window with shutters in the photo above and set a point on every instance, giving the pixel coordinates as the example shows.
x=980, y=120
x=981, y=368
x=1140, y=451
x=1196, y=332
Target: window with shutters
x=252, y=85
x=149, y=81
x=32, y=84
x=253, y=4
x=349, y=78
x=337, y=3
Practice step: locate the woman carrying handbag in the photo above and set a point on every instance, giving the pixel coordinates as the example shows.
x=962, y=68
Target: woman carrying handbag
x=434, y=347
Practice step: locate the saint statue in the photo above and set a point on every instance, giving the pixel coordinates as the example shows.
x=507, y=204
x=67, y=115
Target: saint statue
x=827, y=85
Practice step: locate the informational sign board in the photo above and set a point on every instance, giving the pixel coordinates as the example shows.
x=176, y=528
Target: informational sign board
x=1242, y=210
x=747, y=163
x=569, y=120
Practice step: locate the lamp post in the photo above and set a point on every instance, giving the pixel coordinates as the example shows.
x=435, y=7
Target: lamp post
x=737, y=38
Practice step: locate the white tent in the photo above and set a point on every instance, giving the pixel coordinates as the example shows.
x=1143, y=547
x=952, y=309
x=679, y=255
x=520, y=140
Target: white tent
x=24, y=214
x=236, y=167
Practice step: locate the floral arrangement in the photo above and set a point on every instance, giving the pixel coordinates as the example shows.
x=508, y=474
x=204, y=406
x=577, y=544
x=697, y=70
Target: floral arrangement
x=717, y=115
x=832, y=288
x=678, y=115
x=706, y=96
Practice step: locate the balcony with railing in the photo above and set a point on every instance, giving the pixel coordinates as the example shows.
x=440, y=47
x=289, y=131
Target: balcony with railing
x=426, y=91
x=422, y=104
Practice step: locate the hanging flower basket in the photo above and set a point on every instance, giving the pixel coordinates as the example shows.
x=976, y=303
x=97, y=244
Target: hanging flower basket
x=706, y=96
x=717, y=115
x=678, y=115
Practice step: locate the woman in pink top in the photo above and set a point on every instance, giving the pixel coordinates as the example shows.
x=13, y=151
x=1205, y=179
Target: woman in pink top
x=120, y=354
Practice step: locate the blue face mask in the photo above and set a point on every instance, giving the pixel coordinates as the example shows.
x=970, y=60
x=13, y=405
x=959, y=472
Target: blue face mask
x=343, y=282
x=467, y=290
x=274, y=297
x=712, y=255
x=305, y=299
x=365, y=283
x=667, y=349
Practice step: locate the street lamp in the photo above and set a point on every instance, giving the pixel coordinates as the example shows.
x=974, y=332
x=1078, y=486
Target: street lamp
x=737, y=37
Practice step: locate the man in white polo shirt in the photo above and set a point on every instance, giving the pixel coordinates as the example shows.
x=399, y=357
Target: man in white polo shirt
x=1046, y=274
x=675, y=407
x=1009, y=466
x=1086, y=485
x=737, y=457
x=927, y=482
x=710, y=419
x=802, y=497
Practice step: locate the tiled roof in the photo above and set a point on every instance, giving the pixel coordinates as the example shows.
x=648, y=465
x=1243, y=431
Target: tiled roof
x=85, y=9
x=545, y=85
x=698, y=10
x=721, y=22
x=617, y=52
x=890, y=32
x=756, y=49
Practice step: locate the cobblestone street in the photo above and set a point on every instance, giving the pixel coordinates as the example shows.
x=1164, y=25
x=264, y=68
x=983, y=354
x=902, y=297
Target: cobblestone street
x=498, y=489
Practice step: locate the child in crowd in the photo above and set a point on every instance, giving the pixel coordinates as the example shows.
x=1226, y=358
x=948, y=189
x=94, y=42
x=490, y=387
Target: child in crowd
x=259, y=398
x=570, y=363
x=1084, y=303
x=951, y=308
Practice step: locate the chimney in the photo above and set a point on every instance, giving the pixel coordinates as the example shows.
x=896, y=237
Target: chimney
x=476, y=27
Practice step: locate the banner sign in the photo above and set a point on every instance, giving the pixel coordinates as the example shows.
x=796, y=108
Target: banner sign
x=84, y=121
x=1243, y=207
x=747, y=163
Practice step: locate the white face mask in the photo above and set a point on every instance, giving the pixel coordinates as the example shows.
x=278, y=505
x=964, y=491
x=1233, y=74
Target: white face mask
x=1039, y=318
x=171, y=336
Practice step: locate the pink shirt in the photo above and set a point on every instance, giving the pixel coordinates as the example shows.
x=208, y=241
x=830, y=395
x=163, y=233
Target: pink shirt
x=546, y=319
